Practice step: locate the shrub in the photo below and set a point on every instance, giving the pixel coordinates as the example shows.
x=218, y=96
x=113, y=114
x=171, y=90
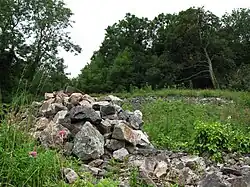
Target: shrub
x=215, y=138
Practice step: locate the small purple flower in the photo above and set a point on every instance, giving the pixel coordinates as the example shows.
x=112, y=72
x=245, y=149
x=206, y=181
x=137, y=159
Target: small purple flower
x=33, y=154
x=62, y=133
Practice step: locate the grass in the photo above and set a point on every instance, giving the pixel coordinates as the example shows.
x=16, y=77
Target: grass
x=242, y=98
x=169, y=125
x=18, y=168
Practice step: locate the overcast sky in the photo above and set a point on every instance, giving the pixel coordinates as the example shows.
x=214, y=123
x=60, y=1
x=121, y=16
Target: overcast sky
x=93, y=16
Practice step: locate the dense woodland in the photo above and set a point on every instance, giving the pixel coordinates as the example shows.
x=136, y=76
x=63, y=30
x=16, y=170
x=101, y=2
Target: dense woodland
x=192, y=49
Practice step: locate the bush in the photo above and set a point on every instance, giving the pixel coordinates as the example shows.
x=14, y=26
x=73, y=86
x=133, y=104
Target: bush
x=215, y=138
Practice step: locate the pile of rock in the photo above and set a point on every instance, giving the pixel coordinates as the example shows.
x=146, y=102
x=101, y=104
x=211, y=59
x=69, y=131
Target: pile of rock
x=87, y=127
x=98, y=129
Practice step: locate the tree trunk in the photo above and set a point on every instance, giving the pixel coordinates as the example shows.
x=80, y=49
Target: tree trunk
x=211, y=71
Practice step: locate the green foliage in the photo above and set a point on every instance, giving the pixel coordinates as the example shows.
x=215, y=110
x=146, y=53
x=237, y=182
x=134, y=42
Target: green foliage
x=91, y=182
x=211, y=138
x=32, y=32
x=107, y=183
x=215, y=138
x=173, y=125
x=18, y=168
x=135, y=180
x=194, y=48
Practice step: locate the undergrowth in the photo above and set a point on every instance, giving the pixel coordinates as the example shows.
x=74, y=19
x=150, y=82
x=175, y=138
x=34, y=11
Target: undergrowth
x=198, y=128
x=17, y=167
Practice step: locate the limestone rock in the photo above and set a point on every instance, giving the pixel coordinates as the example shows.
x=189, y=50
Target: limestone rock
x=62, y=117
x=194, y=162
x=135, y=120
x=161, y=169
x=97, y=105
x=51, y=136
x=49, y=109
x=75, y=98
x=96, y=163
x=94, y=170
x=144, y=141
x=149, y=165
x=88, y=143
x=107, y=110
x=105, y=126
x=114, y=98
x=123, y=132
x=41, y=124
x=67, y=150
x=70, y=175
x=228, y=171
x=48, y=96
x=144, y=176
x=120, y=154
x=115, y=144
x=211, y=180
x=88, y=98
x=85, y=103
x=81, y=113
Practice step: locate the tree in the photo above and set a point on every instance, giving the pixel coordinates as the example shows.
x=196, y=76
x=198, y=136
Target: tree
x=32, y=32
x=194, y=48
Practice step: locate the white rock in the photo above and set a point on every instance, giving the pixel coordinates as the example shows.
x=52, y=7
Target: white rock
x=48, y=95
x=70, y=175
x=41, y=124
x=120, y=154
x=114, y=98
x=161, y=169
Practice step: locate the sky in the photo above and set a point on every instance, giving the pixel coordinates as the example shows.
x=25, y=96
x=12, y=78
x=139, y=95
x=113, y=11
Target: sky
x=92, y=17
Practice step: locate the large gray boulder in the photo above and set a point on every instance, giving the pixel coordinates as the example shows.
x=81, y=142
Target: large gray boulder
x=212, y=180
x=105, y=127
x=123, y=132
x=88, y=143
x=107, y=110
x=82, y=113
x=114, y=144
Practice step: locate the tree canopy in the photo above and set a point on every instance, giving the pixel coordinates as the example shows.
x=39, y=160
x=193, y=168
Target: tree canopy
x=32, y=33
x=194, y=48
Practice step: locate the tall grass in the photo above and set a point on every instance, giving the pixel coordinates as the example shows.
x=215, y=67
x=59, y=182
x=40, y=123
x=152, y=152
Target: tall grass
x=171, y=124
x=17, y=167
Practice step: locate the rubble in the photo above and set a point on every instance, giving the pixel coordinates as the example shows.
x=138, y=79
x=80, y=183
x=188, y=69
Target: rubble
x=97, y=130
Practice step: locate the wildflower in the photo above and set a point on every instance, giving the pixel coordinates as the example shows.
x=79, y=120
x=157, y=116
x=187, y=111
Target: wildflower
x=33, y=154
x=62, y=133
